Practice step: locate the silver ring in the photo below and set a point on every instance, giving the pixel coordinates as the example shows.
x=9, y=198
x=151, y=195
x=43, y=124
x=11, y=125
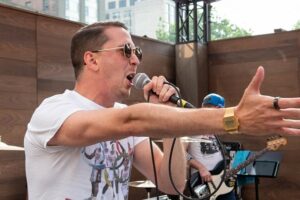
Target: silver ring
x=275, y=103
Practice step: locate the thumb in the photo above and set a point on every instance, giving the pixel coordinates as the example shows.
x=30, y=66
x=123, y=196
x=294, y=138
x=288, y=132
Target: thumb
x=255, y=84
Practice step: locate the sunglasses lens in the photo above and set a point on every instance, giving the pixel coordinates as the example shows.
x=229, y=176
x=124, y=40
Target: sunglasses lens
x=127, y=50
x=138, y=53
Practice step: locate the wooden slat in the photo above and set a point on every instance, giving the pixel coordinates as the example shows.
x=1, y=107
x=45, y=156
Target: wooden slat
x=17, y=100
x=258, y=55
x=17, y=18
x=17, y=36
x=48, y=88
x=13, y=135
x=268, y=41
x=17, y=84
x=54, y=61
x=12, y=175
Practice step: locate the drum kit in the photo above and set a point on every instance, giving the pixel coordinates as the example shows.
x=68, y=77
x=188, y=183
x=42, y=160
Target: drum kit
x=6, y=147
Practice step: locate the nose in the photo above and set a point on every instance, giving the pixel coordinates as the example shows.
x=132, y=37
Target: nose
x=134, y=59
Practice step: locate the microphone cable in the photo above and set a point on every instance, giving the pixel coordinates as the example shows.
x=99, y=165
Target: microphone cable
x=152, y=156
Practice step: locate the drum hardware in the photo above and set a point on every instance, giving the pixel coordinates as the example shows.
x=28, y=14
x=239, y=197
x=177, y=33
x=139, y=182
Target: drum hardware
x=146, y=184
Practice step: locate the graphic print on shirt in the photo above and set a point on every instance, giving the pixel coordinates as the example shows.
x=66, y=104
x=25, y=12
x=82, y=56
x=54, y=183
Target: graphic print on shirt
x=210, y=147
x=110, y=164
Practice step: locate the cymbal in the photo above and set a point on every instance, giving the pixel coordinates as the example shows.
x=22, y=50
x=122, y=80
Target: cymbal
x=142, y=184
x=6, y=147
x=188, y=140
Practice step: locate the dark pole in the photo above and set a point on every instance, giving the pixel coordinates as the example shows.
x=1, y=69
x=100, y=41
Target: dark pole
x=195, y=23
x=205, y=22
x=177, y=22
x=187, y=22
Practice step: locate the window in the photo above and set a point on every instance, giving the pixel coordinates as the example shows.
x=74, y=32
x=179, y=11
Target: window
x=45, y=5
x=86, y=11
x=122, y=3
x=112, y=5
x=28, y=4
x=132, y=2
x=127, y=14
x=116, y=15
x=107, y=16
x=67, y=4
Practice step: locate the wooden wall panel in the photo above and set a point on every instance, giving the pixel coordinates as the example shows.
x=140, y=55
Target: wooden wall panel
x=55, y=72
x=17, y=95
x=17, y=36
x=12, y=180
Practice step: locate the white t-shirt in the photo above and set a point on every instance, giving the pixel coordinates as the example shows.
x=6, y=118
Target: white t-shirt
x=207, y=151
x=99, y=171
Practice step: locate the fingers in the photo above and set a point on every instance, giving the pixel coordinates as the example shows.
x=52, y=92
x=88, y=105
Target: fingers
x=162, y=90
x=254, y=85
x=288, y=116
x=206, y=178
x=158, y=82
x=291, y=131
x=295, y=124
x=289, y=103
x=290, y=113
x=166, y=92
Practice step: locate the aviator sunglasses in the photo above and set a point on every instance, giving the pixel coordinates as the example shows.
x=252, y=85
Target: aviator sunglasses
x=127, y=51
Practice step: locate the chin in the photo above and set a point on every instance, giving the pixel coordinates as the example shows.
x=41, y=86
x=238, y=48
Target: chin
x=125, y=94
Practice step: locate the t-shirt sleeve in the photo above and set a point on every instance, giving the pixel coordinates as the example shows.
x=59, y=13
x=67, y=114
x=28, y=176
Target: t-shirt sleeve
x=46, y=121
x=137, y=140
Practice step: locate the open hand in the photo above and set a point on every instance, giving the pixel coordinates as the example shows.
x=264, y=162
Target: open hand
x=257, y=115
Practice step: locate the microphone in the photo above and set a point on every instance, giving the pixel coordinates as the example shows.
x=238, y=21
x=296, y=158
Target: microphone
x=141, y=79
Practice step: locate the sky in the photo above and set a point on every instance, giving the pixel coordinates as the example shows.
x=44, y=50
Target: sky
x=261, y=16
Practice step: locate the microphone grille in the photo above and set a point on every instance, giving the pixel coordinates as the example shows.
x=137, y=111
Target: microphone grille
x=140, y=80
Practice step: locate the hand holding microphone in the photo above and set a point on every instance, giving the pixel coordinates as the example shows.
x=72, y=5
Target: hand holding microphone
x=161, y=88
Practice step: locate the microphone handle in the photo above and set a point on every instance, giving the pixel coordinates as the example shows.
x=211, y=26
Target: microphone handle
x=185, y=104
x=173, y=99
x=176, y=100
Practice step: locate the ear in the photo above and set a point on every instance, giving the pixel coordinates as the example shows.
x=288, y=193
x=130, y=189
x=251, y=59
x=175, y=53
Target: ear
x=90, y=61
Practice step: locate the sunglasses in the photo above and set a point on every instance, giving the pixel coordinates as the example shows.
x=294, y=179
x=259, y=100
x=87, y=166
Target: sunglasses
x=127, y=51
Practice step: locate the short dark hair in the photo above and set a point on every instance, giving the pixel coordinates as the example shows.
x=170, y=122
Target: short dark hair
x=89, y=38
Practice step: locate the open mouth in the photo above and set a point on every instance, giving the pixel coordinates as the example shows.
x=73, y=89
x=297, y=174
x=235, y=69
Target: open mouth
x=130, y=77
